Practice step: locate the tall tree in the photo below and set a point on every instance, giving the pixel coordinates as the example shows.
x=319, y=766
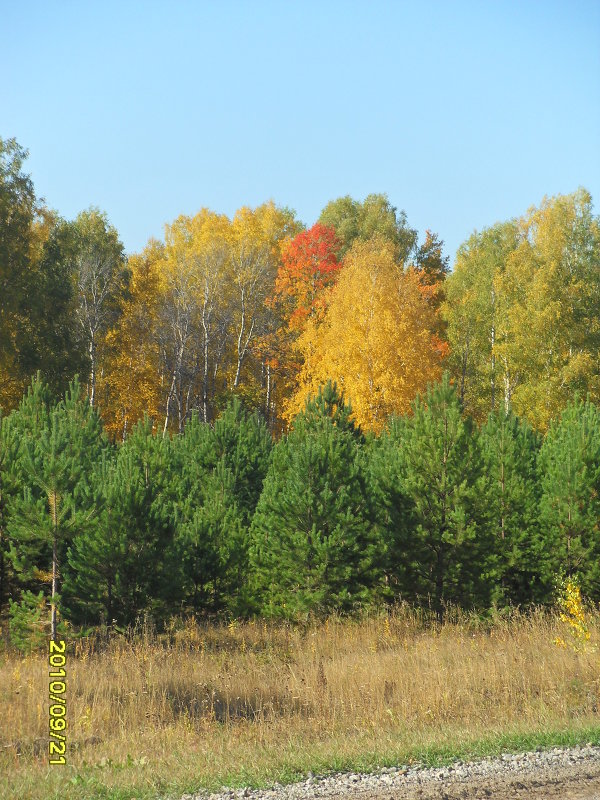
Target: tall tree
x=377, y=338
x=193, y=312
x=354, y=220
x=432, y=267
x=552, y=288
x=476, y=314
x=129, y=386
x=308, y=271
x=17, y=212
x=101, y=277
x=31, y=338
x=522, y=311
x=313, y=548
x=453, y=549
x=46, y=518
x=256, y=237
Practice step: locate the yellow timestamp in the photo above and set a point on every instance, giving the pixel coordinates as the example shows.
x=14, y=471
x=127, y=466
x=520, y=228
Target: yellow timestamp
x=57, y=690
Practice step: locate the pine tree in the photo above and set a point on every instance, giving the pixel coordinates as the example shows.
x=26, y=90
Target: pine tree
x=212, y=546
x=510, y=450
x=313, y=549
x=47, y=516
x=393, y=509
x=124, y=564
x=9, y=488
x=570, y=502
x=239, y=441
x=444, y=475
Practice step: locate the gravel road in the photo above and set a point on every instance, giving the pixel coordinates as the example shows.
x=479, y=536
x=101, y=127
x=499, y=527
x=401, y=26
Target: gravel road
x=566, y=773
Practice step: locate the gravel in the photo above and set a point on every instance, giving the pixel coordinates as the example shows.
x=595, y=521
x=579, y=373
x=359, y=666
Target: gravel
x=567, y=773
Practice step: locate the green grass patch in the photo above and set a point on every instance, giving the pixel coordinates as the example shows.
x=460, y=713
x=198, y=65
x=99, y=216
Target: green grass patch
x=127, y=779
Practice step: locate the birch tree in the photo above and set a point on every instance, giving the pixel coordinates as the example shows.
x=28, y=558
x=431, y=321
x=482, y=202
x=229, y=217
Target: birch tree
x=101, y=278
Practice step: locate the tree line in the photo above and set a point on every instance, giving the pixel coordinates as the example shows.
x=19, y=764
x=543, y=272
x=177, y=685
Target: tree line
x=227, y=493
x=222, y=519
x=263, y=308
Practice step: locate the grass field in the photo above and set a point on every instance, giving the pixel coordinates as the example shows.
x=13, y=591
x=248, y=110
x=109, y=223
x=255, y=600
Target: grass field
x=253, y=703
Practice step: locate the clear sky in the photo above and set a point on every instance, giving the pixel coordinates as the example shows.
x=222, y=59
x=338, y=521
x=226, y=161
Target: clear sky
x=464, y=113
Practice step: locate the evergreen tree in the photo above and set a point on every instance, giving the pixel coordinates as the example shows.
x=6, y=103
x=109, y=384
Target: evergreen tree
x=9, y=487
x=510, y=450
x=570, y=502
x=443, y=473
x=212, y=543
x=239, y=441
x=393, y=509
x=313, y=549
x=124, y=564
x=45, y=518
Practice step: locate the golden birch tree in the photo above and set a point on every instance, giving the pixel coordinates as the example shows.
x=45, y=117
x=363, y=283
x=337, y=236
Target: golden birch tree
x=377, y=338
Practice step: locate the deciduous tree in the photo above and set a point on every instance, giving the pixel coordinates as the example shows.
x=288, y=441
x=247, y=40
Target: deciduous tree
x=377, y=338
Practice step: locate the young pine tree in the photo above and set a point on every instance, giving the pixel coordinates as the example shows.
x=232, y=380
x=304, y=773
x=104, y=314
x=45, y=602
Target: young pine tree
x=124, y=563
x=443, y=473
x=9, y=488
x=570, y=501
x=212, y=545
x=46, y=517
x=393, y=510
x=510, y=450
x=313, y=548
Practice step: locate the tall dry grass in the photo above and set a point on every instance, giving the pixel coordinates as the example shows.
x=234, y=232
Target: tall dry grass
x=213, y=698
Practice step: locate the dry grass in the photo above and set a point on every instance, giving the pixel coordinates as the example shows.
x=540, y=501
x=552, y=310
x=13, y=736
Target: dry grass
x=256, y=701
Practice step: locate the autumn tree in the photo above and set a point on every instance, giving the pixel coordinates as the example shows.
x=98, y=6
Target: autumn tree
x=376, y=340
x=194, y=318
x=256, y=237
x=306, y=275
x=522, y=311
x=353, y=220
x=101, y=277
x=17, y=212
x=476, y=313
x=130, y=384
x=213, y=314
x=551, y=287
x=432, y=268
x=37, y=303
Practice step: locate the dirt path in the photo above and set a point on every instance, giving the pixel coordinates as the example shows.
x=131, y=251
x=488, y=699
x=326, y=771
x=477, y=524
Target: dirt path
x=568, y=773
x=576, y=782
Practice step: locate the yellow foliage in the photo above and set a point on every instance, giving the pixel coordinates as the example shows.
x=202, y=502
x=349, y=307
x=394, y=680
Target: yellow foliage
x=574, y=616
x=129, y=381
x=550, y=287
x=376, y=339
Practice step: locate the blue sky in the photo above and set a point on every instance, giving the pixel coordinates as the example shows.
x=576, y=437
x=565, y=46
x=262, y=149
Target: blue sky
x=464, y=113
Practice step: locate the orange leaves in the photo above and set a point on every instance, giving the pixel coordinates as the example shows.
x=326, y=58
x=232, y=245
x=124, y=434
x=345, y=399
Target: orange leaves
x=308, y=269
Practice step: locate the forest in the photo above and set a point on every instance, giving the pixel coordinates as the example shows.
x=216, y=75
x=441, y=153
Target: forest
x=256, y=417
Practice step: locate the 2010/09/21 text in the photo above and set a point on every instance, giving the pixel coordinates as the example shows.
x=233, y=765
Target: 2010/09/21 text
x=58, y=704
